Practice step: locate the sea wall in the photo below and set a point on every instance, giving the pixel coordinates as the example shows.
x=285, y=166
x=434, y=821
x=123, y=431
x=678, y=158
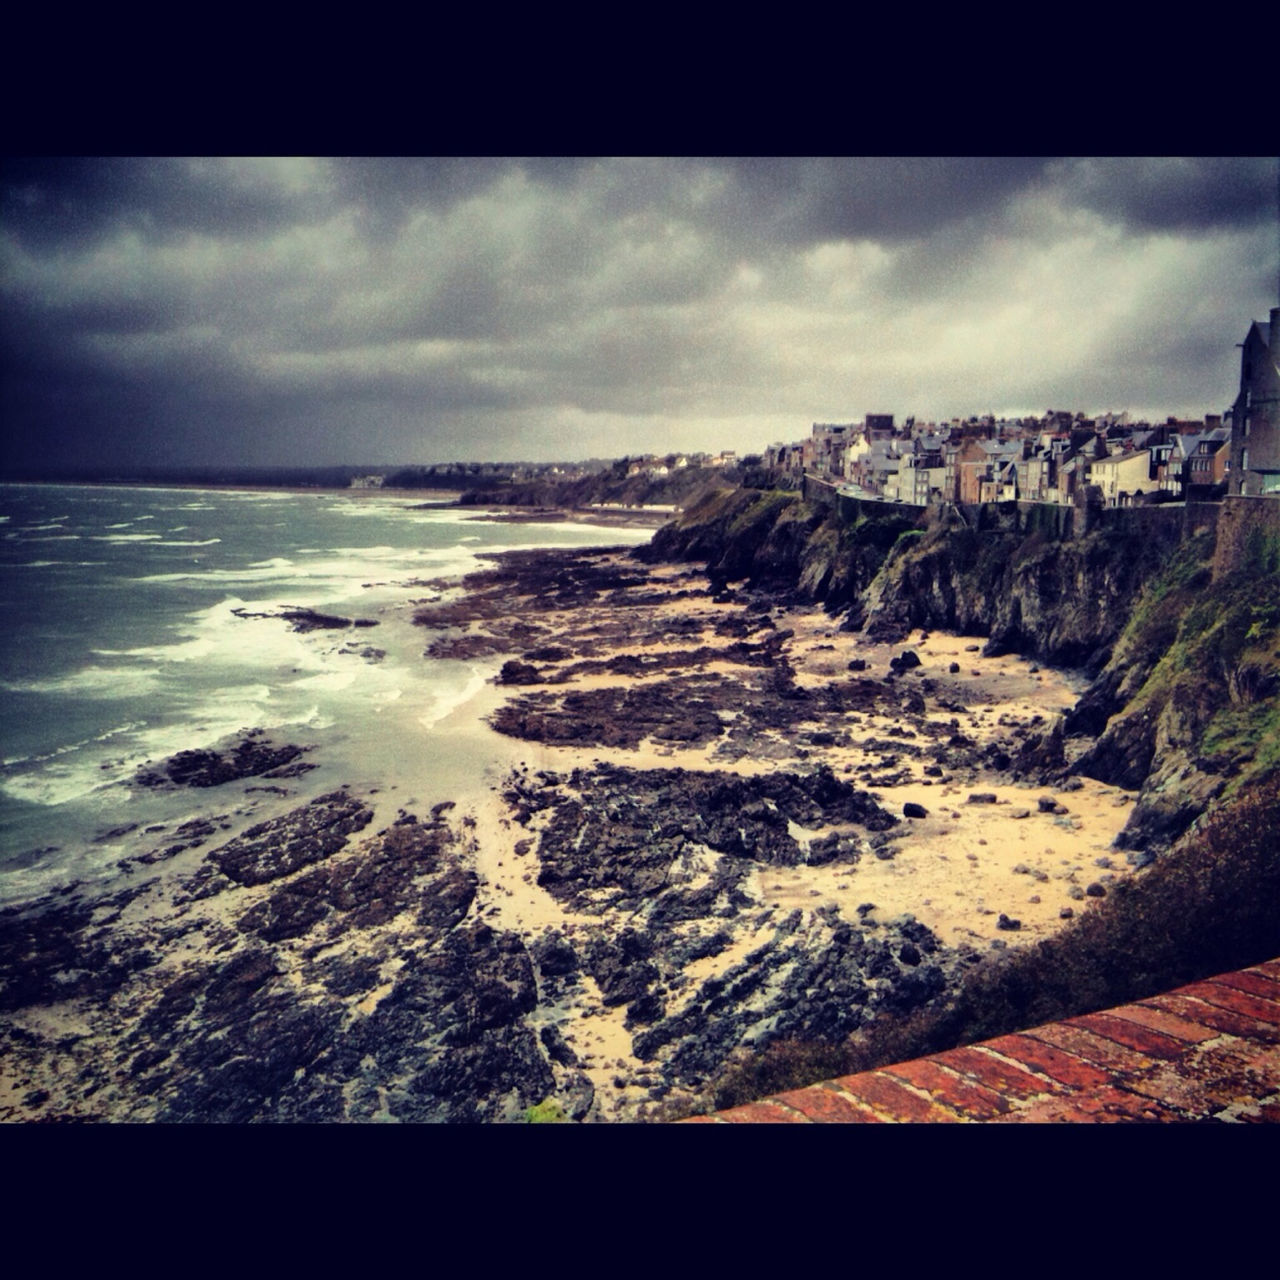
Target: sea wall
x=1245, y=527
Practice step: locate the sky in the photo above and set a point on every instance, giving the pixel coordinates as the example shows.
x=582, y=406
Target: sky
x=278, y=311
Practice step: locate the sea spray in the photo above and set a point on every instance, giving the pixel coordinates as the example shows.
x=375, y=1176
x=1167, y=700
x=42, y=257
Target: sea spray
x=112, y=665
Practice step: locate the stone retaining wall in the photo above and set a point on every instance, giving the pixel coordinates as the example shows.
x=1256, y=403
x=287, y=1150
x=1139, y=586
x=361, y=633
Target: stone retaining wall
x=1248, y=530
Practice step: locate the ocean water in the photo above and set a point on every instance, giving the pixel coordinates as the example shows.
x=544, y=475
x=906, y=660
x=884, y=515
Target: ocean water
x=123, y=645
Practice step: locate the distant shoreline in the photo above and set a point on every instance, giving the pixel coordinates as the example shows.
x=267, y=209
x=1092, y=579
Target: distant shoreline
x=433, y=499
x=445, y=496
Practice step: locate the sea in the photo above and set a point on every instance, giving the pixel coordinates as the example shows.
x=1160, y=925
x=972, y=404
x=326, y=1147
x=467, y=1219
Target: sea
x=140, y=622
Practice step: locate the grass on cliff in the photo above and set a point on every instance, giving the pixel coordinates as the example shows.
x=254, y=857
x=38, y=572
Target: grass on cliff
x=1157, y=614
x=1212, y=649
x=1210, y=905
x=739, y=510
x=766, y=509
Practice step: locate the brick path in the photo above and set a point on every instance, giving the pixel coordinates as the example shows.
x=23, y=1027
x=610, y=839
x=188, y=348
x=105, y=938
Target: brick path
x=1209, y=1051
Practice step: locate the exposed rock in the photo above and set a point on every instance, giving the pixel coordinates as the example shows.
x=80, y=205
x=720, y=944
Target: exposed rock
x=514, y=672
x=276, y=848
x=252, y=756
x=303, y=620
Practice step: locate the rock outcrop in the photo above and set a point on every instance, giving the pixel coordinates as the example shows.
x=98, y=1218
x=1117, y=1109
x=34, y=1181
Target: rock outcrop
x=1185, y=675
x=1193, y=692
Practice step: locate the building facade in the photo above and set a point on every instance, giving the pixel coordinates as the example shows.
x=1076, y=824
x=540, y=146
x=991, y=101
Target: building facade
x=1255, y=416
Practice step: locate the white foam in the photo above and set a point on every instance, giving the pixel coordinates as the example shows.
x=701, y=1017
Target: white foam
x=57, y=783
x=330, y=577
x=68, y=748
x=219, y=639
x=326, y=680
x=93, y=682
x=448, y=700
x=345, y=507
x=126, y=537
x=263, y=571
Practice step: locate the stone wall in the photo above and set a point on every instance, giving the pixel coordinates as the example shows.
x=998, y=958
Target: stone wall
x=1168, y=522
x=850, y=509
x=1164, y=522
x=1246, y=528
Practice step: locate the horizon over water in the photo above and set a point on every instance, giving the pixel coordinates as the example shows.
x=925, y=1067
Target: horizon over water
x=123, y=647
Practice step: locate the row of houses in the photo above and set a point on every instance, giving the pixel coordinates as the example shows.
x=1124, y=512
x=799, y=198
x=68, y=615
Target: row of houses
x=984, y=460
x=657, y=467
x=1051, y=458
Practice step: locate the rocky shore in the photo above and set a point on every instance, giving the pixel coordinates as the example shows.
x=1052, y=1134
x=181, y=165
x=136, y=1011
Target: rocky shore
x=733, y=823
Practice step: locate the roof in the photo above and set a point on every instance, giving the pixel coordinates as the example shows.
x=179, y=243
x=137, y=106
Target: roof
x=1205, y=1052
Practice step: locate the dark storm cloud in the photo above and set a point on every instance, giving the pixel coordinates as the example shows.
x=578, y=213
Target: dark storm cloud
x=50, y=202
x=359, y=309
x=1172, y=194
x=801, y=201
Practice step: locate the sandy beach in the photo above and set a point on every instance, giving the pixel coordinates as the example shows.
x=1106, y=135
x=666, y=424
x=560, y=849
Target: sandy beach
x=957, y=868
x=993, y=863
x=640, y=840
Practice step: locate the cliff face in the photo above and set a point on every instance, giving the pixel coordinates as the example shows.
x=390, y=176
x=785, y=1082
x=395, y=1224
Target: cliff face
x=1180, y=632
x=1062, y=601
x=1182, y=647
x=1191, y=696
x=780, y=543
x=683, y=486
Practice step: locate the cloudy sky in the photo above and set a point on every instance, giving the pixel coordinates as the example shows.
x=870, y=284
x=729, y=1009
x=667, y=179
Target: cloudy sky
x=273, y=310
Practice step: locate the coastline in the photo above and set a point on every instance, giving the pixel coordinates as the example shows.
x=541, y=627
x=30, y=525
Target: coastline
x=605, y=515
x=1061, y=843
x=541, y=935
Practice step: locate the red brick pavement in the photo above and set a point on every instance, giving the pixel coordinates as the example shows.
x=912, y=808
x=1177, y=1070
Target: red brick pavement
x=1208, y=1051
